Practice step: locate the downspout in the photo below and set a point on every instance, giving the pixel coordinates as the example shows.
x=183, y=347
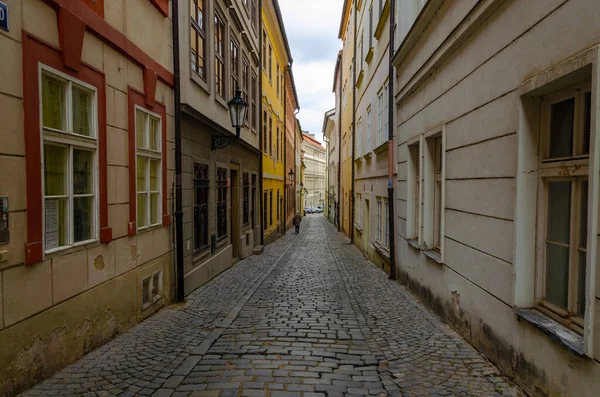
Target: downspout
x=351, y=225
x=326, y=172
x=391, y=222
x=295, y=154
x=260, y=125
x=339, y=173
x=284, y=137
x=178, y=165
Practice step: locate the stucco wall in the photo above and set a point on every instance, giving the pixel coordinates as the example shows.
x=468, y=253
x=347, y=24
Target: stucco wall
x=474, y=93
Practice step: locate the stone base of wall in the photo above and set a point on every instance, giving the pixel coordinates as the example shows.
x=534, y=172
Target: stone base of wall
x=274, y=235
x=41, y=345
x=206, y=271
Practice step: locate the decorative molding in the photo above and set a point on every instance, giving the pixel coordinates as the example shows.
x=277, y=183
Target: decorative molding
x=360, y=78
x=162, y=6
x=71, y=31
x=475, y=19
x=149, y=86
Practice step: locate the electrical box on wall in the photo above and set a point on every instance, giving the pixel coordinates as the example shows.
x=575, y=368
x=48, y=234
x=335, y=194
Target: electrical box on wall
x=4, y=236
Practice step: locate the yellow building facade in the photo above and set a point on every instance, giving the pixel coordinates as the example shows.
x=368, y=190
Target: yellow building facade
x=275, y=59
x=346, y=34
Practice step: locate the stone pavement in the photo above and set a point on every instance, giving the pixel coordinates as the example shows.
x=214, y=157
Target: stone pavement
x=309, y=317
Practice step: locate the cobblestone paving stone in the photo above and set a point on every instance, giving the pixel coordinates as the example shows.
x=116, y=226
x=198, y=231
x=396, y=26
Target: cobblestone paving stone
x=309, y=317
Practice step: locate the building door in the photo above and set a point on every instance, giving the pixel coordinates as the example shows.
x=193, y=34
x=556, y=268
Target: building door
x=235, y=210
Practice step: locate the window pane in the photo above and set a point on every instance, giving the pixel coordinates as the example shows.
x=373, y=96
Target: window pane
x=559, y=212
x=154, y=209
x=584, y=215
x=154, y=175
x=557, y=275
x=140, y=129
x=56, y=229
x=154, y=133
x=82, y=111
x=82, y=172
x=55, y=170
x=141, y=174
x=561, y=128
x=142, y=209
x=581, y=284
x=53, y=102
x=194, y=47
x=82, y=218
x=587, y=122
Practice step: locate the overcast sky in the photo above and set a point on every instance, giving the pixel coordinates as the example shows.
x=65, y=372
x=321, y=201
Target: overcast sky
x=312, y=28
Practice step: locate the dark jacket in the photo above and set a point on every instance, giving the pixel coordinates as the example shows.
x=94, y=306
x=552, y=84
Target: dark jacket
x=297, y=219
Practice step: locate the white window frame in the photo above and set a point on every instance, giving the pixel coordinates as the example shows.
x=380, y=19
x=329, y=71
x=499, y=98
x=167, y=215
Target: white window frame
x=386, y=107
x=434, y=201
x=575, y=69
x=379, y=230
x=380, y=100
x=150, y=155
x=359, y=135
x=386, y=225
x=414, y=189
x=70, y=140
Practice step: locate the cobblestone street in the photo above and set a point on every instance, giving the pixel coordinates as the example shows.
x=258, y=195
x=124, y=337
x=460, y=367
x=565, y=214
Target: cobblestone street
x=309, y=317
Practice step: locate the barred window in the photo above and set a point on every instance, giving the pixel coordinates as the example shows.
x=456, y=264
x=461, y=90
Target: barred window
x=246, y=198
x=201, y=188
x=271, y=208
x=221, y=202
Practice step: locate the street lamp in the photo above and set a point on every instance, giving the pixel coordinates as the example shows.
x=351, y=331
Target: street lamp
x=237, y=113
x=291, y=175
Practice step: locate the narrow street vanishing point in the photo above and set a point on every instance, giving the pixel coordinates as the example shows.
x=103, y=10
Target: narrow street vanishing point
x=309, y=317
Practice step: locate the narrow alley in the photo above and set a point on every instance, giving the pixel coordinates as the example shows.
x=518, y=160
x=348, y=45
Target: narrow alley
x=309, y=317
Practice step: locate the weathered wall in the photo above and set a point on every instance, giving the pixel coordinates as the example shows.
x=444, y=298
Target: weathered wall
x=473, y=92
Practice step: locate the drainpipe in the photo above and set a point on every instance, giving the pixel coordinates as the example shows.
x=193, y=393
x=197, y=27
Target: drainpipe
x=326, y=172
x=391, y=145
x=296, y=209
x=339, y=170
x=351, y=225
x=260, y=125
x=178, y=165
x=284, y=137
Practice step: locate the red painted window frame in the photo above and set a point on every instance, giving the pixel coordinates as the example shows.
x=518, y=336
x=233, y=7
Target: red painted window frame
x=137, y=98
x=36, y=51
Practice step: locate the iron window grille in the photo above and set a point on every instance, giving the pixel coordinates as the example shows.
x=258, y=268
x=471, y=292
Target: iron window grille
x=201, y=189
x=221, y=203
x=246, y=199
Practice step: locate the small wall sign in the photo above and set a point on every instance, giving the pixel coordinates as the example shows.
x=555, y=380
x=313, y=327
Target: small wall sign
x=4, y=238
x=3, y=16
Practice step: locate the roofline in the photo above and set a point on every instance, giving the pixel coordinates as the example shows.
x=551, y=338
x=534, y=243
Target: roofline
x=328, y=115
x=344, y=19
x=282, y=29
x=312, y=140
x=337, y=68
x=291, y=73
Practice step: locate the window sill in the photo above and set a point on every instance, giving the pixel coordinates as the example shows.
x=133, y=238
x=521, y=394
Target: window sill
x=200, y=81
x=220, y=100
x=434, y=256
x=382, y=251
x=559, y=333
x=358, y=228
x=382, y=148
x=201, y=255
x=385, y=12
x=359, y=80
x=358, y=159
x=67, y=249
x=369, y=55
x=149, y=228
x=414, y=244
x=367, y=155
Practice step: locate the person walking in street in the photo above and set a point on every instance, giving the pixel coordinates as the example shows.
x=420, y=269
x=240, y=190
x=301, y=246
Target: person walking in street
x=297, y=220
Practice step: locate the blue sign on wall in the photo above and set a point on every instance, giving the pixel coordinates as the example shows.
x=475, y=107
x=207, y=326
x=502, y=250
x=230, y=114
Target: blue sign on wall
x=3, y=16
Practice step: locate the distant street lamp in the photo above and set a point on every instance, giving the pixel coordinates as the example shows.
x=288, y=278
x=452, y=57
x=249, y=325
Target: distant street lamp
x=291, y=176
x=237, y=113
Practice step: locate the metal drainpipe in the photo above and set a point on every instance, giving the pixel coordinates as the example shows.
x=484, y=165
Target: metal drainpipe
x=178, y=165
x=260, y=125
x=391, y=222
x=284, y=137
x=339, y=173
x=296, y=171
x=326, y=171
x=351, y=225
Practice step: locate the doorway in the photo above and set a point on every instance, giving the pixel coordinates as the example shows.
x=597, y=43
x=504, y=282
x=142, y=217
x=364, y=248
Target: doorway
x=235, y=210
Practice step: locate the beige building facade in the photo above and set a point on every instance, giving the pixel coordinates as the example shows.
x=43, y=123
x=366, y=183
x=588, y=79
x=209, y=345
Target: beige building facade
x=498, y=150
x=314, y=174
x=86, y=101
x=219, y=52
x=371, y=136
x=330, y=136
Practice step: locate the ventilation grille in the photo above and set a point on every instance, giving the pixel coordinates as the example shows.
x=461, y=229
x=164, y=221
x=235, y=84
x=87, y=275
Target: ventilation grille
x=151, y=288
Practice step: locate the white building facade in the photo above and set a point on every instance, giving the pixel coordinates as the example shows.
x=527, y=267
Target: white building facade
x=314, y=174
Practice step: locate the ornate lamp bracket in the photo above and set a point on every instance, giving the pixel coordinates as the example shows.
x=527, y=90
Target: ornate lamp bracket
x=219, y=142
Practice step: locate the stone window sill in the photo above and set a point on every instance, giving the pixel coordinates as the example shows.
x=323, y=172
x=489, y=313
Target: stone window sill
x=381, y=250
x=557, y=332
x=414, y=244
x=434, y=256
x=358, y=228
x=382, y=148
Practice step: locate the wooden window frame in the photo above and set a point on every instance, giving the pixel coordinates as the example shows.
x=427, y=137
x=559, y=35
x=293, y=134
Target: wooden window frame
x=414, y=190
x=221, y=198
x=574, y=169
x=200, y=32
x=433, y=198
x=234, y=64
x=219, y=35
x=66, y=138
x=253, y=101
